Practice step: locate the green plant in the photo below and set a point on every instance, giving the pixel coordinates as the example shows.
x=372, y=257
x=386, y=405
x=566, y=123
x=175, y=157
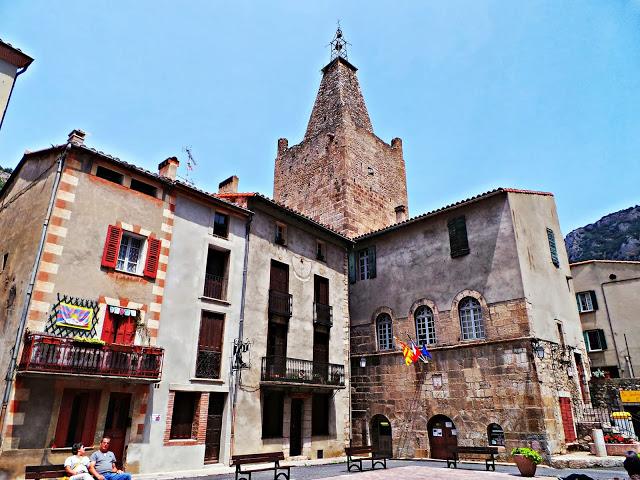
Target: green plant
x=93, y=341
x=529, y=453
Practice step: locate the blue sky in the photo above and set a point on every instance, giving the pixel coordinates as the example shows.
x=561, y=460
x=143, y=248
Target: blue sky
x=530, y=94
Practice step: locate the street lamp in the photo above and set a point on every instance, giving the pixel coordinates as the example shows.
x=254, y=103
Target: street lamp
x=538, y=349
x=363, y=362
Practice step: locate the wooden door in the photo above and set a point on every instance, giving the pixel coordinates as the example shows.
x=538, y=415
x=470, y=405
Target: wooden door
x=116, y=424
x=381, y=438
x=118, y=329
x=443, y=436
x=210, y=345
x=214, y=428
x=279, y=278
x=320, y=356
x=277, y=348
x=321, y=290
x=295, y=438
x=566, y=412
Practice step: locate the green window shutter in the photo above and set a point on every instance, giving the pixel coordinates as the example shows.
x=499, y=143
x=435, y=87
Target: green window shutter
x=352, y=266
x=578, y=302
x=586, y=340
x=603, y=340
x=594, y=300
x=552, y=247
x=372, y=261
x=458, y=240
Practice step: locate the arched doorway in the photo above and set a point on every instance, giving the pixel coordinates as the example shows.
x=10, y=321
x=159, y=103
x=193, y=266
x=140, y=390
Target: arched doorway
x=381, y=435
x=443, y=436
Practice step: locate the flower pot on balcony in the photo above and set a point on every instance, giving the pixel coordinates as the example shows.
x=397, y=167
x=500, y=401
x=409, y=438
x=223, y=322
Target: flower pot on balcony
x=526, y=466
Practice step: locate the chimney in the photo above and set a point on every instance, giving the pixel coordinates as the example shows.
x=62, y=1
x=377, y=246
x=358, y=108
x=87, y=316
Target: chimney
x=169, y=168
x=76, y=137
x=230, y=185
x=401, y=213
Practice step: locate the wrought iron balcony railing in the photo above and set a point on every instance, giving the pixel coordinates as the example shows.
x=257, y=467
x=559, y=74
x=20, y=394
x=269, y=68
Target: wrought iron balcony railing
x=51, y=354
x=323, y=314
x=208, y=363
x=280, y=303
x=215, y=286
x=296, y=371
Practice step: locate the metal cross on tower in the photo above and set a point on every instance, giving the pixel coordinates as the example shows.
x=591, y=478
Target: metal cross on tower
x=339, y=45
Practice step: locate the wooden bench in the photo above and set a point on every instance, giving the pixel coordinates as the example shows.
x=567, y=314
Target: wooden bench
x=489, y=463
x=355, y=456
x=257, y=458
x=44, y=471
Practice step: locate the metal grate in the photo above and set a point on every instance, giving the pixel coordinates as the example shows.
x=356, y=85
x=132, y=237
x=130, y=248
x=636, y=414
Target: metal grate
x=62, y=331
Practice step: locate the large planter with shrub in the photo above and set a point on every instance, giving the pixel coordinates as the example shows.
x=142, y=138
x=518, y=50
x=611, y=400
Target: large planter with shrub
x=526, y=460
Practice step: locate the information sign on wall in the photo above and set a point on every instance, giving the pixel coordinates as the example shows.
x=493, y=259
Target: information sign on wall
x=630, y=396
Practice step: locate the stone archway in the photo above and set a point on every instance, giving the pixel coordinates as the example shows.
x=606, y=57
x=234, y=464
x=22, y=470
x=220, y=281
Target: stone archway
x=443, y=436
x=381, y=439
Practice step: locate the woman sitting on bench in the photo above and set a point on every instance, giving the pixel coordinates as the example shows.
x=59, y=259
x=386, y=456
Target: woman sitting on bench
x=77, y=465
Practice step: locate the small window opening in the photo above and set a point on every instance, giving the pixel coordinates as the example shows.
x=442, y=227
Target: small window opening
x=321, y=251
x=110, y=175
x=281, y=234
x=145, y=188
x=5, y=261
x=221, y=225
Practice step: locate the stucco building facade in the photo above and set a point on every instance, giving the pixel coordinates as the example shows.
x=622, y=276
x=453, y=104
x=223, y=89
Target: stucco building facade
x=608, y=301
x=13, y=63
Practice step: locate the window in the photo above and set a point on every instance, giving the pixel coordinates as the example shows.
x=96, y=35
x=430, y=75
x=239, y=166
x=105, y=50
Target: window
x=210, y=345
x=142, y=187
x=458, y=241
x=552, y=247
x=587, y=301
x=560, y=332
x=281, y=234
x=183, y=416
x=471, y=321
x=221, y=224
x=367, y=263
x=595, y=340
x=124, y=251
x=323, y=312
x=425, y=325
x=77, y=418
x=215, y=277
x=119, y=325
x=321, y=251
x=272, y=406
x=320, y=414
x=495, y=434
x=129, y=253
x=110, y=175
x=385, y=332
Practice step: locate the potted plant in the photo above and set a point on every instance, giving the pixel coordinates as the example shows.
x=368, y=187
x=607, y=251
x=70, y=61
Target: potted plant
x=527, y=460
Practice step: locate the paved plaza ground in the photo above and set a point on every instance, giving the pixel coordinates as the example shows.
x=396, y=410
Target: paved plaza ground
x=415, y=469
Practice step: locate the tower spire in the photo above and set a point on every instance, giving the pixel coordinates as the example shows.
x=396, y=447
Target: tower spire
x=339, y=45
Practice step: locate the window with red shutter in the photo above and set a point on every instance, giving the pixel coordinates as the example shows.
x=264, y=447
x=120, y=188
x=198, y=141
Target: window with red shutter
x=111, y=247
x=153, y=257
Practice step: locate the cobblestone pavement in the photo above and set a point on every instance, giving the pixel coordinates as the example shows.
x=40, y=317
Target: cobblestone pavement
x=412, y=470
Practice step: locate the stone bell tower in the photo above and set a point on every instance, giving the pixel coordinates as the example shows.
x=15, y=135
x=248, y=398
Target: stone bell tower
x=342, y=174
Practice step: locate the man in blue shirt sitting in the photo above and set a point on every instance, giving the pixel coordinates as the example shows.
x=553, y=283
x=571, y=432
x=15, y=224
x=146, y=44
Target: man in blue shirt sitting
x=103, y=463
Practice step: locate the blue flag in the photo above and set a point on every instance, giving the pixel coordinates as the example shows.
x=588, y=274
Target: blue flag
x=425, y=353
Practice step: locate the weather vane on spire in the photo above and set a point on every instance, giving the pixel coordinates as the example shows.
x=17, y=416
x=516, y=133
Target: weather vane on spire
x=339, y=45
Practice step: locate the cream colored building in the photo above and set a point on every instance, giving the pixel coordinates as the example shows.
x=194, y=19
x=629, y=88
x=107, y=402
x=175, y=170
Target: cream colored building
x=608, y=299
x=13, y=63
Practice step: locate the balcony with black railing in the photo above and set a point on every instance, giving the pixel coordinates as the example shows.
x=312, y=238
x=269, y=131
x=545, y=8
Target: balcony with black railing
x=293, y=371
x=215, y=286
x=208, y=363
x=280, y=303
x=45, y=353
x=323, y=314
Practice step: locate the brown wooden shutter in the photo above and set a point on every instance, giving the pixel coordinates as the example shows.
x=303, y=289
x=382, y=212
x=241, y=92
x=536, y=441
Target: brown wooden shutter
x=458, y=240
x=211, y=327
x=91, y=417
x=64, y=416
x=153, y=257
x=111, y=247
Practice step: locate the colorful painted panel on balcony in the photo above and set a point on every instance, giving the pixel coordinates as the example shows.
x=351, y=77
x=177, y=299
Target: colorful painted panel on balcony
x=74, y=316
x=68, y=317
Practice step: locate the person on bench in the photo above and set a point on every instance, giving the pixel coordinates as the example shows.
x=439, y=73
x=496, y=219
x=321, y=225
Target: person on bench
x=103, y=463
x=77, y=465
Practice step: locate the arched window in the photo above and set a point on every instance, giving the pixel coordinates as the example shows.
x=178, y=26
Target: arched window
x=471, y=322
x=495, y=434
x=425, y=325
x=385, y=331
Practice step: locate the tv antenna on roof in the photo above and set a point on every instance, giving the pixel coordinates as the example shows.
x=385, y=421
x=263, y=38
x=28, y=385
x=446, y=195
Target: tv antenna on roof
x=191, y=165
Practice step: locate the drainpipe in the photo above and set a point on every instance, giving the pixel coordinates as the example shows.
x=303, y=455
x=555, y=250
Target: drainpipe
x=235, y=376
x=15, y=79
x=27, y=296
x=606, y=306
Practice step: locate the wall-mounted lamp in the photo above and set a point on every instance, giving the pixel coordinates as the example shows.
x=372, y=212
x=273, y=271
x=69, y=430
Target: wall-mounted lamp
x=538, y=349
x=363, y=362
x=570, y=371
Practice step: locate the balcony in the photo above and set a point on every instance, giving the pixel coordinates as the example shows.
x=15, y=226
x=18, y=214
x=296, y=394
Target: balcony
x=323, y=314
x=280, y=303
x=60, y=355
x=293, y=371
x=215, y=287
x=208, y=363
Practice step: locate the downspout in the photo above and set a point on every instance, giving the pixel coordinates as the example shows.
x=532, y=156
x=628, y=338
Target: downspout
x=27, y=296
x=236, y=374
x=15, y=79
x=606, y=306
